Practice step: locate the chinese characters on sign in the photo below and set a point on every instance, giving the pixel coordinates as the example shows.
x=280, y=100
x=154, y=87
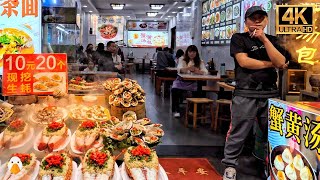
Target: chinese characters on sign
x=20, y=26
x=34, y=74
x=293, y=124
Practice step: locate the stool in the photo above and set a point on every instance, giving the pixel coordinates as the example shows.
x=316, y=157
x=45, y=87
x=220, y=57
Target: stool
x=195, y=102
x=220, y=102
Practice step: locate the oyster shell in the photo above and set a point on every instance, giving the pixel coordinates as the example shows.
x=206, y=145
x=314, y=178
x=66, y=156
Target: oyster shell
x=127, y=96
x=122, y=127
x=114, y=119
x=134, y=102
x=143, y=121
x=118, y=137
x=129, y=115
x=125, y=103
x=118, y=91
x=156, y=131
x=127, y=84
x=151, y=140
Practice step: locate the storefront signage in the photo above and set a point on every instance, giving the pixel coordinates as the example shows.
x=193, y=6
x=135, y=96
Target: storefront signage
x=20, y=27
x=150, y=39
x=109, y=28
x=26, y=74
x=147, y=26
x=294, y=140
x=218, y=21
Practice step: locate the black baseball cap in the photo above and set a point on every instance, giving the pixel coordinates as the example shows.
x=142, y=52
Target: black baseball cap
x=255, y=10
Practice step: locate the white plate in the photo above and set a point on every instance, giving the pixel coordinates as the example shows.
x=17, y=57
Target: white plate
x=27, y=139
x=63, y=146
x=64, y=116
x=3, y=170
x=116, y=175
x=162, y=175
x=97, y=144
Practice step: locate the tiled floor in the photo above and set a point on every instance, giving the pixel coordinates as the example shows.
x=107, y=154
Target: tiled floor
x=180, y=141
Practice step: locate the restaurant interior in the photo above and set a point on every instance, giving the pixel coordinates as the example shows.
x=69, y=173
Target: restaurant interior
x=133, y=106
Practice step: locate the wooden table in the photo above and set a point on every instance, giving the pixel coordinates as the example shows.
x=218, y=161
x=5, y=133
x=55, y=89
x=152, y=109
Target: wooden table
x=226, y=86
x=192, y=77
x=171, y=69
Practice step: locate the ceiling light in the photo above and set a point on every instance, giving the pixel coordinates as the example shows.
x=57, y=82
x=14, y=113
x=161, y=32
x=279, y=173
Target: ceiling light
x=117, y=6
x=180, y=7
x=128, y=16
x=181, y=12
x=169, y=16
x=156, y=6
x=174, y=12
x=90, y=11
x=140, y=19
x=186, y=14
x=84, y=6
x=152, y=14
x=189, y=7
x=154, y=20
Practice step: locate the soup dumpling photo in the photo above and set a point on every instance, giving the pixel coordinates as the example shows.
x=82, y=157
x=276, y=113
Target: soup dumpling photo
x=281, y=175
x=298, y=162
x=278, y=163
x=291, y=172
x=287, y=156
x=305, y=174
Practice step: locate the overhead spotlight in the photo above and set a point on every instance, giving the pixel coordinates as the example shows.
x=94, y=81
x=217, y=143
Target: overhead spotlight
x=84, y=6
x=90, y=11
x=180, y=7
x=156, y=6
x=152, y=14
x=117, y=6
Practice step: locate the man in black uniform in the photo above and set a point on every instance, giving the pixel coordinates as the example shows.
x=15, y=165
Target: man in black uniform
x=256, y=56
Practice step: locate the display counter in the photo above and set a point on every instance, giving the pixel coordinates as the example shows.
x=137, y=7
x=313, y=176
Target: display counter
x=294, y=137
x=81, y=129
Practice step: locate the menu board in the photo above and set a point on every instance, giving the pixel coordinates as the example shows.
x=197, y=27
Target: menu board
x=293, y=136
x=183, y=38
x=147, y=39
x=20, y=28
x=219, y=21
x=109, y=28
x=41, y=74
x=147, y=26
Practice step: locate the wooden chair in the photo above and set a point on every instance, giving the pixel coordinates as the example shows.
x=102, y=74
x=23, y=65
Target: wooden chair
x=195, y=102
x=214, y=124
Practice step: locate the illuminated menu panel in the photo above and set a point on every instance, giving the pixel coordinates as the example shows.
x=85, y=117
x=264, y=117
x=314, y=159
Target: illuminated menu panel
x=219, y=21
x=147, y=38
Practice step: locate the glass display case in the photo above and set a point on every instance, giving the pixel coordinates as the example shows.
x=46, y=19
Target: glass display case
x=296, y=81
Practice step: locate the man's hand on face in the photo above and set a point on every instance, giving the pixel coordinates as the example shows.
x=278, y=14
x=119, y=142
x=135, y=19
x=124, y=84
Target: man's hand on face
x=258, y=33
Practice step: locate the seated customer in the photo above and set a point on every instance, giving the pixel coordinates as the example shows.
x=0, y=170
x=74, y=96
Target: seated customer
x=91, y=68
x=165, y=59
x=189, y=63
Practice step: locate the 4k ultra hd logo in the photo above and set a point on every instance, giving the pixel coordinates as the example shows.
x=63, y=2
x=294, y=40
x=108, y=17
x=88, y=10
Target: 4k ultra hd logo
x=295, y=19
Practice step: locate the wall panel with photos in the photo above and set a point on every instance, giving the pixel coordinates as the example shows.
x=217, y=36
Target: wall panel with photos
x=219, y=21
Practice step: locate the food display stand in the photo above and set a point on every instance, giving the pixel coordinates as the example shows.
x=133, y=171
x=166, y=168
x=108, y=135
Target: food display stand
x=72, y=133
x=293, y=138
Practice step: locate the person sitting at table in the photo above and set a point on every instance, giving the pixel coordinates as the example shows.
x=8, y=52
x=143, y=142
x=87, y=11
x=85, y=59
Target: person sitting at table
x=179, y=54
x=189, y=63
x=91, y=68
x=113, y=49
x=164, y=59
